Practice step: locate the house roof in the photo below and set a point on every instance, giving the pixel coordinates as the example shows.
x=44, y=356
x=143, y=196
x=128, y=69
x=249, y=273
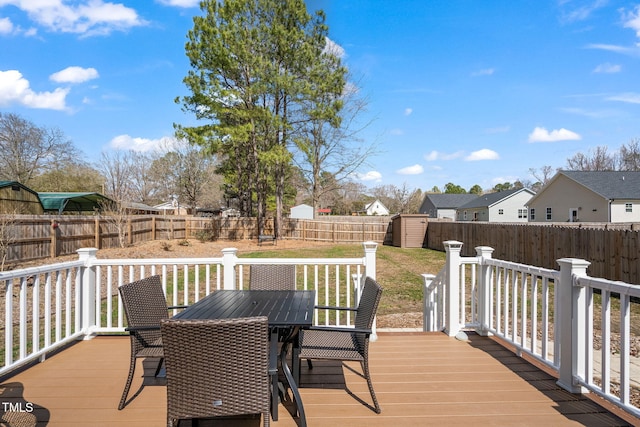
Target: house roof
x=372, y=203
x=608, y=184
x=490, y=199
x=71, y=202
x=450, y=201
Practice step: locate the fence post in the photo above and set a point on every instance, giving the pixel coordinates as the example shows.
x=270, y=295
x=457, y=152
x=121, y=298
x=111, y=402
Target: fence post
x=229, y=260
x=484, y=290
x=452, y=268
x=571, y=314
x=429, y=305
x=87, y=301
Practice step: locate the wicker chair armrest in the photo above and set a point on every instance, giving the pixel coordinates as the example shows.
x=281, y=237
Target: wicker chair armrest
x=330, y=307
x=142, y=328
x=338, y=329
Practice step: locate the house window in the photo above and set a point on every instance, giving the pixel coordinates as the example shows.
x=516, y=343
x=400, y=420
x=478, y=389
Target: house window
x=522, y=213
x=465, y=215
x=628, y=207
x=500, y=211
x=548, y=214
x=532, y=212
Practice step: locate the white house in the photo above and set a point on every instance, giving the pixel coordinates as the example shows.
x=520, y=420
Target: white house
x=503, y=206
x=442, y=205
x=588, y=196
x=301, y=212
x=376, y=208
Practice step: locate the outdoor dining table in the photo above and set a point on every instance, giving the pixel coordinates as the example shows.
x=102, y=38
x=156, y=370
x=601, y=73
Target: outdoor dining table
x=287, y=311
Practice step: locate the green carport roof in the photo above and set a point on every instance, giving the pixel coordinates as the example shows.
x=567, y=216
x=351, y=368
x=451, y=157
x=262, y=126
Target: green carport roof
x=72, y=202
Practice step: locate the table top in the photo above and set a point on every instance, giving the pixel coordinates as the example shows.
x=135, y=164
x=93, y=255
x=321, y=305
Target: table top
x=283, y=308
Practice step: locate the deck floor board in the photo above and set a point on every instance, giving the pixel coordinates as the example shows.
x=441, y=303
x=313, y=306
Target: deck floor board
x=420, y=380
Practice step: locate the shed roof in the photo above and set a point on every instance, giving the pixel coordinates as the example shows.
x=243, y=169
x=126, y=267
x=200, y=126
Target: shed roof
x=16, y=183
x=71, y=202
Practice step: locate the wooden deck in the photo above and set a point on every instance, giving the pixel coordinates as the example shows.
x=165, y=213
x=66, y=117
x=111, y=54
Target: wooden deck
x=420, y=380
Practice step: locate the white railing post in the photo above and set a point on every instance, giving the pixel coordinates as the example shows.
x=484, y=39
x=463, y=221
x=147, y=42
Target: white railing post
x=87, y=301
x=370, y=249
x=484, y=290
x=570, y=311
x=452, y=292
x=429, y=305
x=229, y=261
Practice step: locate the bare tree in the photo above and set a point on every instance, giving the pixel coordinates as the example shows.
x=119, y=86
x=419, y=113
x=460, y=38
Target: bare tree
x=27, y=150
x=596, y=160
x=7, y=237
x=630, y=156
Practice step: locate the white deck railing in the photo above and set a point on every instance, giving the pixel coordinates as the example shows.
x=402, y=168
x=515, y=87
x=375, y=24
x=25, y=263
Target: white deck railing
x=47, y=307
x=563, y=318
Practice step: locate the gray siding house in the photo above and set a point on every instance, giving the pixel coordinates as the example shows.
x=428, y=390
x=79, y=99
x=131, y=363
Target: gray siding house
x=503, y=206
x=588, y=196
x=440, y=205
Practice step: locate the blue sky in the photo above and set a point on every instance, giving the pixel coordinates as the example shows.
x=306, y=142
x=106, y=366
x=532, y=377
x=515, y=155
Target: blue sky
x=462, y=91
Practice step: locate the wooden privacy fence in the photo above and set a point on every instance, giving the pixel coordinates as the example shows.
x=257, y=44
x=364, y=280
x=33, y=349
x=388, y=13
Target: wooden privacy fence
x=612, y=249
x=31, y=237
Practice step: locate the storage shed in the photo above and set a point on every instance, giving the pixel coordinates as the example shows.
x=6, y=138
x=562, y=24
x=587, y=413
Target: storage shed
x=15, y=198
x=302, y=212
x=409, y=230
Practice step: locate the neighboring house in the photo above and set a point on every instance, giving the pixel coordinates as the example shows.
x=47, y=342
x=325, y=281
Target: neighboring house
x=172, y=208
x=503, y=206
x=376, y=208
x=588, y=196
x=301, y=212
x=444, y=205
x=16, y=198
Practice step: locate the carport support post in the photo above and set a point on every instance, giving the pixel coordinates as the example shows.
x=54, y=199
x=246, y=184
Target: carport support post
x=571, y=315
x=452, y=290
x=229, y=260
x=484, y=291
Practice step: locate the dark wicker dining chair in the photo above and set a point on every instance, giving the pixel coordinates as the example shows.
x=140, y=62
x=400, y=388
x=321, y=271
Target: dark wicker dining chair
x=335, y=343
x=272, y=277
x=216, y=368
x=144, y=306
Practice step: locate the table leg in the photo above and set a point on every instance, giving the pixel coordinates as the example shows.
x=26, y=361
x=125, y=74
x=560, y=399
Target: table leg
x=273, y=373
x=292, y=383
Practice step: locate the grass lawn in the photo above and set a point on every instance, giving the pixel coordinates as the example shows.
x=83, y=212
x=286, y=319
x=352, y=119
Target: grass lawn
x=398, y=270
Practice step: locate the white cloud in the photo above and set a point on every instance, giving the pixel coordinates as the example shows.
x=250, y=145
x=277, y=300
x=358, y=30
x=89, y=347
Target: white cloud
x=484, y=72
x=630, y=97
x=632, y=20
x=334, y=48
x=613, y=48
x=500, y=129
x=126, y=142
x=436, y=155
x=74, y=75
x=608, y=68
x=411, y=170
x=180, y=3
x=89, y=17
x=6, y=26
x=408, y=111
x=14, y=89
x=484, y=154
x=540, y=134
x=370, y=176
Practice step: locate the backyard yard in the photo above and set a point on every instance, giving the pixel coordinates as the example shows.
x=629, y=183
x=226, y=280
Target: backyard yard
x=398, y=269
